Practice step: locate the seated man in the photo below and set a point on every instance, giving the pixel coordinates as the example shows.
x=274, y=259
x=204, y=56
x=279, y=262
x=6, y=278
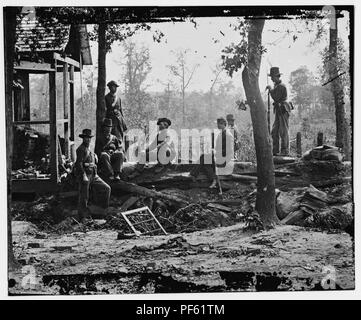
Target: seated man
x=162, y=146
x=86, y=173
x=220, y=155
x=111, y=156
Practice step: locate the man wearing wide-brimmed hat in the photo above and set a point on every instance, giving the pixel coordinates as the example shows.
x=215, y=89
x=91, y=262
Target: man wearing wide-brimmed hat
x=86, y=173
x=162, y=147
x=114, y=110
x=112, y=156
x=163, y=143
x=282, y=111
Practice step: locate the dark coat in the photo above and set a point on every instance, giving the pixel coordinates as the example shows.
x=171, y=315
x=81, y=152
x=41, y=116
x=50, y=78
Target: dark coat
x=85, y=161
x=114, y=111
x=279, y=96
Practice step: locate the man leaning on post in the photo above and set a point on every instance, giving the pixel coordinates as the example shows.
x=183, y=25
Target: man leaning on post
x=86, y=172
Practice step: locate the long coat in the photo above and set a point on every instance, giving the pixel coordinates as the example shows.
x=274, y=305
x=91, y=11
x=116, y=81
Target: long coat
x=115, y=112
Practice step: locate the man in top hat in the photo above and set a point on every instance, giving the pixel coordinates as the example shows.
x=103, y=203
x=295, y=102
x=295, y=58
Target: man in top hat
x=282, y=111
x=86, y=173
x=114, y=110
x=112, y=156
x=234, y=131
x=222, y=153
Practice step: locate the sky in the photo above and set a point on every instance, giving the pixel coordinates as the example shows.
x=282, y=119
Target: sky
x=203, y=50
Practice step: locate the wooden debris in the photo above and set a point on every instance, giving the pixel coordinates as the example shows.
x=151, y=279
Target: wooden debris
x=133, y=188
x=125, y=236
x=230, y=202
x=128, y=203
x=285, y=204
x=144, y=211
x=331, y=182
x=62, y=248
x=295, y=217
x=242, y=178
x=312, y=192
x=68, y=194
x=283, y=159
x=219, y=206
x=35, y=245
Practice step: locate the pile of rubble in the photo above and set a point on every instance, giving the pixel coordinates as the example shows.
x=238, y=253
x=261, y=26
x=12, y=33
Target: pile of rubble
x=310, y=207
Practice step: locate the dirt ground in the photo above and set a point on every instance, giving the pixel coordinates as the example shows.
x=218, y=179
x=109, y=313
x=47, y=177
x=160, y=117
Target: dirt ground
x=217, y=260
x=206, y=249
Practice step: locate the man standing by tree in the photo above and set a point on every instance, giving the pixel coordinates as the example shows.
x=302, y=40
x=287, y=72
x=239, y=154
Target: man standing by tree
x=114, y=110
x=235, y=133
x=220, y=156
x=282, y=111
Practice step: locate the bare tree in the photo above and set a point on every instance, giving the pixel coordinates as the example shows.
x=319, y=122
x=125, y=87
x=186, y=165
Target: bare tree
x=184, y=73
x=106, y=34
x=137, y=68
x=216, y=73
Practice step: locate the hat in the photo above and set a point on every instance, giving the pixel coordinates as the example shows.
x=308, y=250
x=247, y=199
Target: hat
x=112, y=83
x=86, y=133
x=107, y=122
x=274, y=71
x=230, y=117
x=164, y=120
x=221, y=120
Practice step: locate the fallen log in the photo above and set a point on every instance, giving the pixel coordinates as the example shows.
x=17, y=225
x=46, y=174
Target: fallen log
x=228, y=202
x=133, y=188
x=278, y=173
x=219, y=207
x=285, y=183
x=128, y=203
x=283, y=159
x=241, y=178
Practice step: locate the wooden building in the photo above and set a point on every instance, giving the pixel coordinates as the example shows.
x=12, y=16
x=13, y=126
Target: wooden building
x=47, y=54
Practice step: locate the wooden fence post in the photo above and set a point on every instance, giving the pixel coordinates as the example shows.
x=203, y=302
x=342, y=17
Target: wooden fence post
x=298, y=144
x=319, y=139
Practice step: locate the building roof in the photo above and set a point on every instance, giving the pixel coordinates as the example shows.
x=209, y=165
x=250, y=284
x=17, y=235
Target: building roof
x=32, y=36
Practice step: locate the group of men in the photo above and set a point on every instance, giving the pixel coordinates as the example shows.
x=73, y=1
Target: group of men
x=112, y=146
x=111, y=156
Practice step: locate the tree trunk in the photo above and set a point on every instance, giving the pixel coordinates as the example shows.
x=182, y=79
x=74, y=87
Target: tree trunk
x=100, y=112
x=342, y=138
x=265, y=202
x=183, y=98
x=9, y=31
